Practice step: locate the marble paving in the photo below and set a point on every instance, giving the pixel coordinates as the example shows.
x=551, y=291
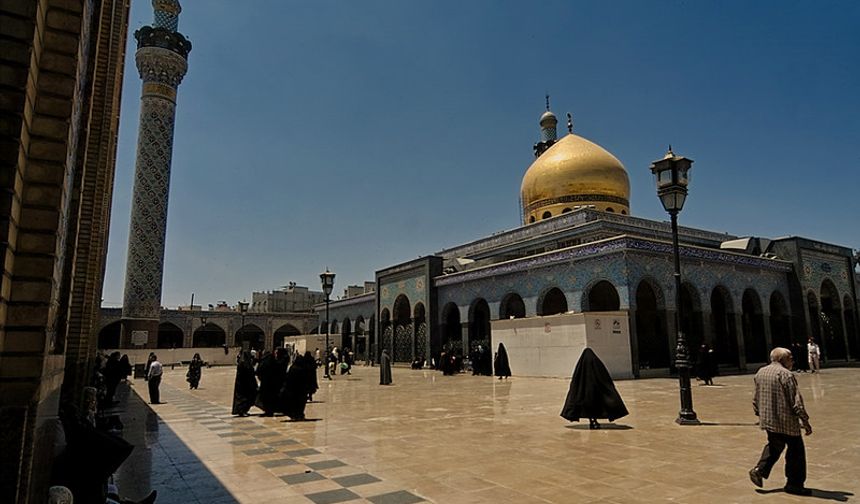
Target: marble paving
x=467, y=439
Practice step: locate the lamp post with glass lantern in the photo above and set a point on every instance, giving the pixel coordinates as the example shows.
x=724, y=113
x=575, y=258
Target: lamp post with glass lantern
x=672, y=176
x=327, y=278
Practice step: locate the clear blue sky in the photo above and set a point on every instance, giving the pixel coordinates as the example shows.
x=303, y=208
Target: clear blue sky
x=357, y=135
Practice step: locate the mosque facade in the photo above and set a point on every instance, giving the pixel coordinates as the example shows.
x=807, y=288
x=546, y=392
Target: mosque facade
x=579, y=250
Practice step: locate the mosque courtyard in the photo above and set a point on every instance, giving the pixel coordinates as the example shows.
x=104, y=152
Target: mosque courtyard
x=469, y=439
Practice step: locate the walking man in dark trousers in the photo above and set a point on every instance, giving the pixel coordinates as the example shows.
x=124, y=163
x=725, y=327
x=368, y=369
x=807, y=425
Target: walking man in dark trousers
x=154, y=380
x=779, y=406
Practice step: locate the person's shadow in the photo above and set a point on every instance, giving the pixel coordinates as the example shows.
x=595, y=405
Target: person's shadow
x=603, y=426
x=835, y=495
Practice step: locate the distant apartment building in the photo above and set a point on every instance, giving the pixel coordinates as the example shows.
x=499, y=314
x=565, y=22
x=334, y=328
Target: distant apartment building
x=291, y=298
x=358, y=290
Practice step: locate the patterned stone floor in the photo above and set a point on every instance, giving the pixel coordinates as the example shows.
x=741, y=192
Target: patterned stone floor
x=465, y=439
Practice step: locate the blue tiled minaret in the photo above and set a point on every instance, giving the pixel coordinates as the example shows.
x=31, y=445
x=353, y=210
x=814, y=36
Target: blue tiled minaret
x=162, y=60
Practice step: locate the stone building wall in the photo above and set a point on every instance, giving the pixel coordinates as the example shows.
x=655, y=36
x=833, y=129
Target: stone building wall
x=49, y=71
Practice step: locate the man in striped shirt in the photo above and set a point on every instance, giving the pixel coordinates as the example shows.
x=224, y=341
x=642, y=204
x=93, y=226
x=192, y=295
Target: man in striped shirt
x=779, y=406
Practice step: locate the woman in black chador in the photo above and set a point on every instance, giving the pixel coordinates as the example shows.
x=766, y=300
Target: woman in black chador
x=245, y=387
x=297, y=386
x=500, y=364
x=194, y=370
x=272, y=373
x=705, y=368
x=385, y=368
x=592, y=394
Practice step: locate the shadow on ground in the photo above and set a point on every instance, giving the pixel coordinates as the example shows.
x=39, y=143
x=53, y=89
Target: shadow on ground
x=603, y=426
x=835, y=495
x=157, y=457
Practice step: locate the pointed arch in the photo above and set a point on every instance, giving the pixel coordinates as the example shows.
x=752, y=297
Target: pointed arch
x=452, y=330
x=284, y=332
x=109, y=336
x=170, y=336
x=208, y=336
x=780, y=321
x=752, y=323
x=512, y=306
x=602, y=296
x=346, y=334
x=831, y=321
x=552, y=302
x=651, y=335
x=724, y=328
x=250, y=337
x=692, y=321
x=419, y=320
x=848, y=307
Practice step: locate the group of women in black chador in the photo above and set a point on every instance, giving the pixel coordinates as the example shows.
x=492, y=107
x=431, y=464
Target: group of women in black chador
x=283, y=388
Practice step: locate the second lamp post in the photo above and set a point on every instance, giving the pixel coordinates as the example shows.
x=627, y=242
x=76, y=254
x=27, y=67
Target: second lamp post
x=327, y=278
x=672, y=176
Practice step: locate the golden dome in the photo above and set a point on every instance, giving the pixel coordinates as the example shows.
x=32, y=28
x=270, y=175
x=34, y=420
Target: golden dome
x=571, y=174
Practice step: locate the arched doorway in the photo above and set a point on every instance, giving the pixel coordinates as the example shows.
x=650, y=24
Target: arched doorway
x=780, y=321
x=553, y=303
x=480, y=339
x=169, y=336
x=851, y=328
x=372, y=347
x=360, y=339
x=283, y=332
x=403, y=341
x=346, y=334
x=691, y=318
x=813, y=312
x=386, y=333
x=109, y=336
x=752, y=322
x=602, y=297
x=208, y=336
x=250, y=337
x=653, y=342
x=725, y=332
x=452, y=331
x=512, y=306
x=335, y=328
x=831, y=322
x=419, y=317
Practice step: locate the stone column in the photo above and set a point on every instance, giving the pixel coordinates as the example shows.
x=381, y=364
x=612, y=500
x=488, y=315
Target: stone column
x=161, y=58
x=737, y=320
x=768, y=337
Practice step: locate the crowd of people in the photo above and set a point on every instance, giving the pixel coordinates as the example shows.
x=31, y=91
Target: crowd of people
x=286, y=383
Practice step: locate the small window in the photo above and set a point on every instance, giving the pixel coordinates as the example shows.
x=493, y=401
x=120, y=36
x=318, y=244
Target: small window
x=624, y=212
x=610, y=210
x=566, y=210
x=531, y=219
x=546, y=215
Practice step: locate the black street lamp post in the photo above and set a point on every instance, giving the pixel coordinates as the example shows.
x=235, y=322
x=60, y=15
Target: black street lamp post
x=672, y=176
x=243, y=309
x=327, y=279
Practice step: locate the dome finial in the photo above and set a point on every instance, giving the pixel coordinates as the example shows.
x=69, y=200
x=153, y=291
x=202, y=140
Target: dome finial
x=569, y=123
x=669, y=153
x=547, y=102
